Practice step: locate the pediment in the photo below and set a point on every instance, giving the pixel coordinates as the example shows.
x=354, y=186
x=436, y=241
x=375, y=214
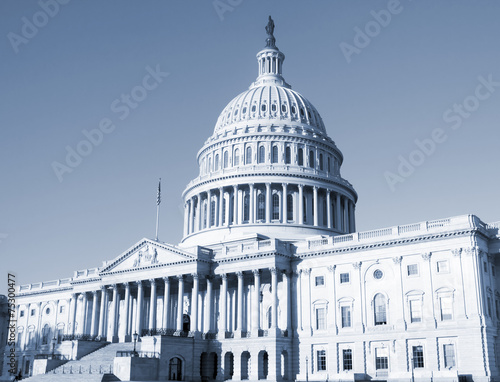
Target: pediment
x=148, y=254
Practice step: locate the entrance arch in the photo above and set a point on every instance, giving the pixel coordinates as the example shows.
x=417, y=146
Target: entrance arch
x=175, y=369
x=228, y=366
x=245, y=365
x=263, y=364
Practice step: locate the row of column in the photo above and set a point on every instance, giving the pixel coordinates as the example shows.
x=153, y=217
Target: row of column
x=199, y=213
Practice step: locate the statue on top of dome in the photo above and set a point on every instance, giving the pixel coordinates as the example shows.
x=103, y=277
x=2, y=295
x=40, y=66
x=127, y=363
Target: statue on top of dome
x=270, y=40
x=270, y=27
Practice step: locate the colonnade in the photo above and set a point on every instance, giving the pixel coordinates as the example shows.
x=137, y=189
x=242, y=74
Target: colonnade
x=100, y=314
x=265, y=203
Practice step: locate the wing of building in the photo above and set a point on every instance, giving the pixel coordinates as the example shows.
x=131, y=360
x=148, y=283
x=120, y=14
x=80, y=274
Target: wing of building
x=271, y=279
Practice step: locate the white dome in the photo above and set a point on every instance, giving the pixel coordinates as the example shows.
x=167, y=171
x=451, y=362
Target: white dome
x=270, y=104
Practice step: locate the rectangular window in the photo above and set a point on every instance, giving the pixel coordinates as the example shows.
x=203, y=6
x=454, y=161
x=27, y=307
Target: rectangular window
x=446, y=308
x=449, y=355
x=321, y=357
x=347, y=359
x=61, y=309
x=418, y=357
x=493, y=270
x=443, y=266
x=32, y=313
x=415, y=311
x=412, y=270
x=489, y=306
x=381, y=359
x=319, y=281
x=346, y=316
x=21, y=313
x=497, y=309
x=344, y=278
x=320, y=319
x=485, y=267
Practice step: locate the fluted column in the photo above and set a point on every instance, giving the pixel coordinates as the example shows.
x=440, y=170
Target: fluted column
x=94, y=314
x=256, y=303
x=235, y=204
x=102, y=313
x=252, y=204
x=268, y=203
x=152, y=305
x=328, y=209
x=287, y=310
x=223, y=307
x=208, y=309
x=74, y=297
x=126, y=314
x=180, y=302
x=114, y=308
x=140, y=297
x=200, y=213
x=191, y=215
x=315, y=205
x=274, y=287
x=186, y=217
x=284, y=216
x=301, y=204
x=221, y=204
x=194, y=304
x=209, y=209
x=239, y=318
x=352, y=226
x=166, y=303
x=345, y=215
x=83, y=319
x=338, y=208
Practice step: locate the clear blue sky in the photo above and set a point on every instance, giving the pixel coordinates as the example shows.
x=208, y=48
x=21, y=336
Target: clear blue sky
x=396, y=89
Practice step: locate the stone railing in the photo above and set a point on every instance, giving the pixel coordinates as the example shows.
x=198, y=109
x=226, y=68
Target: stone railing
x=85, y=273
x=83, y=337
x=252, y=247
x=140, y=354
x=52, y=284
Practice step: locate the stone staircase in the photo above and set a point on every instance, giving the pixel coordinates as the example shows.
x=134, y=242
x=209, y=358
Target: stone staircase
x=94, y=367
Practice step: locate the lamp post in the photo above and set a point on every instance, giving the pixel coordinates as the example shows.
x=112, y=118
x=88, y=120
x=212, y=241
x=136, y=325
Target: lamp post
x=135, y=335
x=307, y=369
x=54, y=341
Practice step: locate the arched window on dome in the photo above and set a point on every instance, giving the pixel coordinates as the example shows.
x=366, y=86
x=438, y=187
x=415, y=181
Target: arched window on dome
x=231, y=210
x=262, y=154
x=289, y=207
x=226, y=159
x=301, y=157
x=216, y=162
x=209, y=164
x=246, y=207
x=236, y=160
x=223, y=217
x=325, y=215
x=212, y=213
x=276, y=206
x=329, y=165
x=379, y=305
x=202, y=167
x=321, y=162
x=249, y=155
x=311, y=158
x=261, y=206
x=269, y=318
x=275, y=154
x=288, y=155
x=205, y=214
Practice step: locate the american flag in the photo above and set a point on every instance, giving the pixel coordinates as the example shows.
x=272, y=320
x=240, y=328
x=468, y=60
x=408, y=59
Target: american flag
x=158, y=195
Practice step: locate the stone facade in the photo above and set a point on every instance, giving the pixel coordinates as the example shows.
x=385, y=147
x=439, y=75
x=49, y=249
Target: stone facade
x=272, y=280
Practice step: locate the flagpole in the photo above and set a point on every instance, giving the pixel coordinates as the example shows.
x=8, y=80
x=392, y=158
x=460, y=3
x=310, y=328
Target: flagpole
x=158, y=201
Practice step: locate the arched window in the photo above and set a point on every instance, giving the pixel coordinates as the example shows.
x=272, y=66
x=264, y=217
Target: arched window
x=311, y=159
x=209, y=164
x=275, y=154
x=212, y=213
x=288, y=155
x=269, y=318
x=246, y=207
x=276, y=207
x=205, y=214
x=231, y=210
x=262, y=154
x=379, y=305
x=321, y=162
x=329, y=165
x=261, y=207
x=301, y=157
x=304, y=204
x=226, y=159
x=236, y=160
x=223, y=217
x=249, y=155
x=216, y=163
x=45, y=334
x=289, y=207
x=175, y=369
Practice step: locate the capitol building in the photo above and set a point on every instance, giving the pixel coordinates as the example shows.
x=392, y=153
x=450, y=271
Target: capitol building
x=271, y=280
